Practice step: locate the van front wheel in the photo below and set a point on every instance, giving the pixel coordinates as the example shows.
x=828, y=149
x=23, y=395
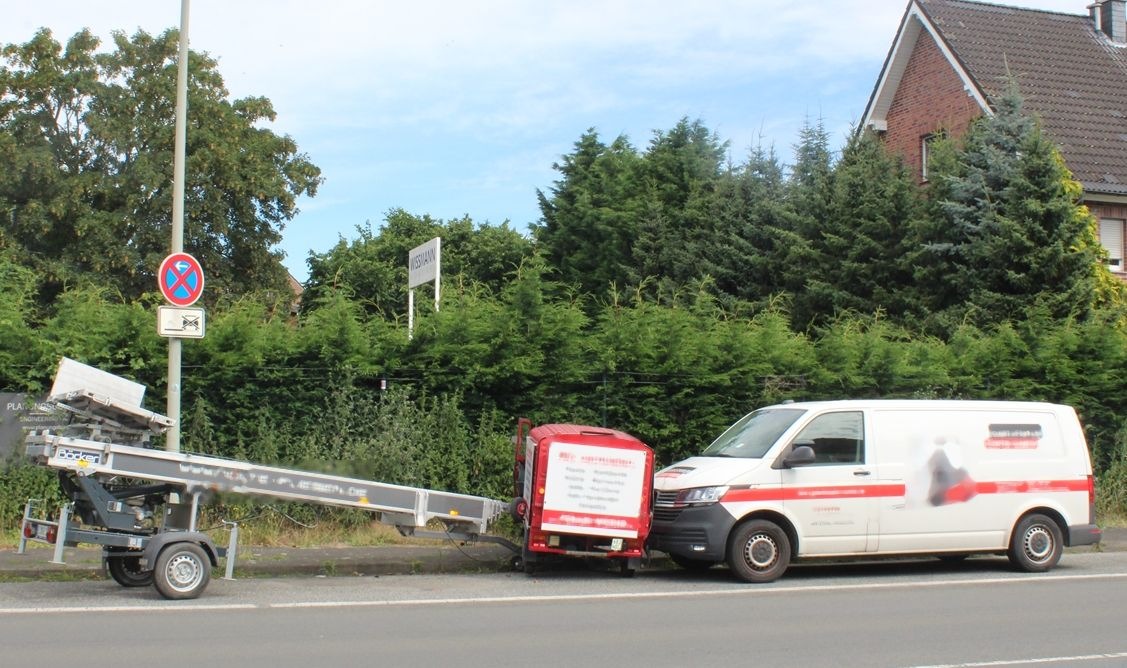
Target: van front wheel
x=758, y=551
x=1036, y=544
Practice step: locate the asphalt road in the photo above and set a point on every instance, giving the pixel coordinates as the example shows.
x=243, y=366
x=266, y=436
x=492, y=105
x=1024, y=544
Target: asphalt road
x=895, y=614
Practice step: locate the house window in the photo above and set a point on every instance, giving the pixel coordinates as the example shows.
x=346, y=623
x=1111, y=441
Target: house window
x=1111, y=236
x=925, y=150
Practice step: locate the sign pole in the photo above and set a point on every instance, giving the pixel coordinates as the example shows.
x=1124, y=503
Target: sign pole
x=172, y=442
x=410, y=313
x=437, y=271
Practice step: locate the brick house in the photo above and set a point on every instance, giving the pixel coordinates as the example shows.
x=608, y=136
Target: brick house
x=950, y=58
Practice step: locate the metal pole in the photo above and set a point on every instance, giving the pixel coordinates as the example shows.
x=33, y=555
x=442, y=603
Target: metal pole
x=410, y=313
x=437, y=272
x=174, y=344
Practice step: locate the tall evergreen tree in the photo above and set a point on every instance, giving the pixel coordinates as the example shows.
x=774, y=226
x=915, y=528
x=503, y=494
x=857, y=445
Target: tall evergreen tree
x=1007, y=232
x=809, y=189
x=862, y=239
x=589, y=220
x=681, y=173
x=746, y=252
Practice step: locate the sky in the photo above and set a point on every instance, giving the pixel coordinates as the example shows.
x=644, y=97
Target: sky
x=454, y=109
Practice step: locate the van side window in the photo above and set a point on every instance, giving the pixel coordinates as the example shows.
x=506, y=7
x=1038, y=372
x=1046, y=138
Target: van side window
x=837, y=438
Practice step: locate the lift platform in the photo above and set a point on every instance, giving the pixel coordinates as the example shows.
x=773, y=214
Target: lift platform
x=142, y=504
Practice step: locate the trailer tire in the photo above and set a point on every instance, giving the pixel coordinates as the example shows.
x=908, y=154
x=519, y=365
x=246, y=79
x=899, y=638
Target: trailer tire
x=758, y=551
x=1036, y=544
x=126, y=571
x=182, y=571
x=626, y=567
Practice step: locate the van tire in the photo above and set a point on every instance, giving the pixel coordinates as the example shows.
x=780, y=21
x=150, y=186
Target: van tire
x=758, y=551
x=1036, y=544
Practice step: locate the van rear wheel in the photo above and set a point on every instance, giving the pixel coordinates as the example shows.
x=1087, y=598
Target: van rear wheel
x=758, y=551
x=1036, y=544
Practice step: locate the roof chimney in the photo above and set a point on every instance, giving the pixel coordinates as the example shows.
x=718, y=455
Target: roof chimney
x=1110, y=18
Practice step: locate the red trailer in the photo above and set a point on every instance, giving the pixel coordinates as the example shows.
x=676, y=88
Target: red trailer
x=582, y=492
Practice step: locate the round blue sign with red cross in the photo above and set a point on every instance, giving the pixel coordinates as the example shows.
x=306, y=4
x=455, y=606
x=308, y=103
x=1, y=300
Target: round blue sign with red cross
x=181, y=279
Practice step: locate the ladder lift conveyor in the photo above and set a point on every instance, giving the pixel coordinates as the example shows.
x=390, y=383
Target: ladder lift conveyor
x=142, y=504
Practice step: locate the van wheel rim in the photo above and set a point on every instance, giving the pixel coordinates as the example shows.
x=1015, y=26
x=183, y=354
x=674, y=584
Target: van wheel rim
x=184, y=572
x=761, y=551
x=1038, y=544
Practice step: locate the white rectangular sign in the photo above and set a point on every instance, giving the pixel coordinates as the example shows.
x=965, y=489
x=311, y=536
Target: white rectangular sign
x=594, y=490
x=180, y=323
x=423, y=262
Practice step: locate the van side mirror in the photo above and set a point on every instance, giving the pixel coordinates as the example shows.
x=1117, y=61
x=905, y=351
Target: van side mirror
x=801, y=455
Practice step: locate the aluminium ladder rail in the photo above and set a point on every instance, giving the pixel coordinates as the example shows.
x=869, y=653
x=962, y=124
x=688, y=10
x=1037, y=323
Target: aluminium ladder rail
x=405, y=507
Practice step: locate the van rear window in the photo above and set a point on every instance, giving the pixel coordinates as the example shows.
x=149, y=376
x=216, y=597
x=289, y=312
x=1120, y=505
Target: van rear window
x=754, y=434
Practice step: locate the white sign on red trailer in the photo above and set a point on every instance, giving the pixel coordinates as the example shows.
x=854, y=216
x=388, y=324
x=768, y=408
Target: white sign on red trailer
x=594, y=490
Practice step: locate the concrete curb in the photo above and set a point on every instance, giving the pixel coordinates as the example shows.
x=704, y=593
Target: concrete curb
x=86, y=562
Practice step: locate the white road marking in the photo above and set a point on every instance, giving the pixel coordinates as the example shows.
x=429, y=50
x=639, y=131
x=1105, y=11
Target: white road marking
x=746, y=591
x=1029, y=662
x=166, y=607
x=740, y=591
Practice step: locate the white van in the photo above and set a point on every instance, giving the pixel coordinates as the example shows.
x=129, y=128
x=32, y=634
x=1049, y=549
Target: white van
x=867, y=478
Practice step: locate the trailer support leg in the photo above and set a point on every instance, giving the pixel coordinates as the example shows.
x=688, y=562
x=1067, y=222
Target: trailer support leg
x=195, y=511
x=61, y=536
x=22, y=549
x=232, y=547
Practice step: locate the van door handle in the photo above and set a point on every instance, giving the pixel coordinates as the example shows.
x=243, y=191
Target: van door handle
x=860, y=472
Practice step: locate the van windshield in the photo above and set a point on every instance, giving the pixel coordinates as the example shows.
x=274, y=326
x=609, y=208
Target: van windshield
x=754, y=434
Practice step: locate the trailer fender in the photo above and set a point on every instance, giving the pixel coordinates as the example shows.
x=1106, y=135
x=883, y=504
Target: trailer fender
x=159, y=541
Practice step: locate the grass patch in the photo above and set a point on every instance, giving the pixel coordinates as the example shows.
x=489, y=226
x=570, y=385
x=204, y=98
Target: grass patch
x=326, y=534
x=1112, y=518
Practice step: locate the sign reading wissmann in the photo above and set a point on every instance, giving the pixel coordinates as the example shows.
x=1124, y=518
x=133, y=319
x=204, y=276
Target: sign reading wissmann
x=423, y=263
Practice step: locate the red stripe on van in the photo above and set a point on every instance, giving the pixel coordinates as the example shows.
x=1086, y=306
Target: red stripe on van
x=812, y=493
x=1032, y=486
x=893, y=490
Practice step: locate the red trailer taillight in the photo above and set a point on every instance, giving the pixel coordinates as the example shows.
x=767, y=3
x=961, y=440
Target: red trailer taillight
x=28, y=532
x=1091, y=489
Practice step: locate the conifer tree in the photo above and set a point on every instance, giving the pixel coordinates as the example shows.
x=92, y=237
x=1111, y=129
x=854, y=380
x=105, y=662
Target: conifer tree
x=588, y=222
x=861, y=240
x=1006, y=232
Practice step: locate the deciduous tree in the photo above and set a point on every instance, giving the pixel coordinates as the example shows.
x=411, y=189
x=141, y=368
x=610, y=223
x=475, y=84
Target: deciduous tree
x=86, y=138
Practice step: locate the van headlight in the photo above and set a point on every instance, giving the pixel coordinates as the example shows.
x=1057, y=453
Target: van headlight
x=701, y=496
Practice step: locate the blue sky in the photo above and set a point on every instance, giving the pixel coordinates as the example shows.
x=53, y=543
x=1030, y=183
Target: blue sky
x=454, y=108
